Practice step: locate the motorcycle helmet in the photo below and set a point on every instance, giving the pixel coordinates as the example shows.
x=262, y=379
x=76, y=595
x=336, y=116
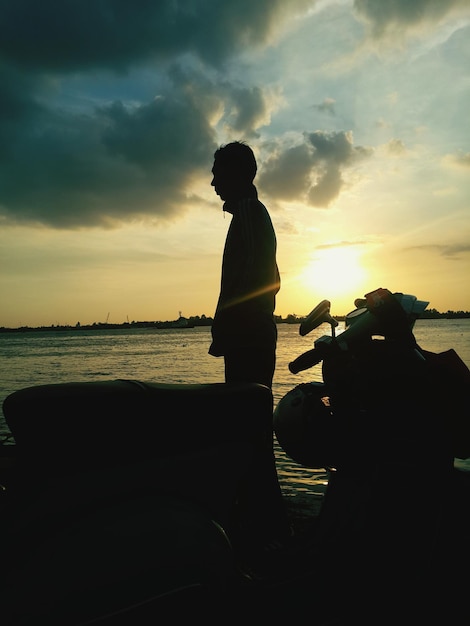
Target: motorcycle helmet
x=304, y=426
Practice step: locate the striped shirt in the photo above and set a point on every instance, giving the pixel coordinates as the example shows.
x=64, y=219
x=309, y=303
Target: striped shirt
x=250, y=279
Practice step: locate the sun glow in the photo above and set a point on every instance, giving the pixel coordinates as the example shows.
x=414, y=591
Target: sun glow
x=335, y=273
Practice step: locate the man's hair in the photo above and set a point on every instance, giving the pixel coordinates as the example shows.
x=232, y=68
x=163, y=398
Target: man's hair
x=239, y=157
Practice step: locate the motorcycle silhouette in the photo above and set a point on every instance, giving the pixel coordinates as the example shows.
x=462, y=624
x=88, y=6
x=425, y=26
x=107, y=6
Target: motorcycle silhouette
x=386, y=421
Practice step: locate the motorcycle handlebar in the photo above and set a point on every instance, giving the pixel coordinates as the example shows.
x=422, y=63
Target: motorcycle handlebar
x=305, y=361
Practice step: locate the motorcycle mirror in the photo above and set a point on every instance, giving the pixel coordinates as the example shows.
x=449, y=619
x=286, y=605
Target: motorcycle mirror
x=319, y=315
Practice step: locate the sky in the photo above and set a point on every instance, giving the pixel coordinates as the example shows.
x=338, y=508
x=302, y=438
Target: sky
x=110, y=113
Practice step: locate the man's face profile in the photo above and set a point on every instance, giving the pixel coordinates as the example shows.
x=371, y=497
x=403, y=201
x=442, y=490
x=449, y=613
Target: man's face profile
x=223, y=181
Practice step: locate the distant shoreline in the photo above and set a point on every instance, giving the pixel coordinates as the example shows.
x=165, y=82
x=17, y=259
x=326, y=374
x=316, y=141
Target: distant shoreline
x=192, y=322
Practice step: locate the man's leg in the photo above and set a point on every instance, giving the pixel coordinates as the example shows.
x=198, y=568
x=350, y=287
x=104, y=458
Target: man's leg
x=250, y=366
x=262, y=513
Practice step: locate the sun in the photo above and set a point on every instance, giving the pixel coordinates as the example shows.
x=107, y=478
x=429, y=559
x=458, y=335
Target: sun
x=335, y=273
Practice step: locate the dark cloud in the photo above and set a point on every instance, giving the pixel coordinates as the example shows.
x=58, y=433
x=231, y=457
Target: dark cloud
x=249, y=108
x=286, y=174
x=399, y=15
x=313, y=170
x=117, y=162
x=68, y=163
x=65, y=35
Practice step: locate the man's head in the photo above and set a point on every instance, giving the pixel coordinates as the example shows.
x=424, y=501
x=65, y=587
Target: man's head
x=234, y=170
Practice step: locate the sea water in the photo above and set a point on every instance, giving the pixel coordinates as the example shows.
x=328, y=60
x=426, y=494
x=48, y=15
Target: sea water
x=180, y=356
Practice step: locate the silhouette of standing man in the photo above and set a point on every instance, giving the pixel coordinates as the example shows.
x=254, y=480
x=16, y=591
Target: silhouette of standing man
x=244, y=331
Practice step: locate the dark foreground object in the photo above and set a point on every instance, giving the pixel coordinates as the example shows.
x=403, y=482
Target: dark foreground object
x=118, y=508
x=120, y=494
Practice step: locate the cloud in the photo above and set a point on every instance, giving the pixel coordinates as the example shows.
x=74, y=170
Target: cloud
x=459, y=160
x=249, y=109
x=84, y=143
x=120, y=161
x=69, y=169
x=312, y=170
x=286, y=173
x=327, y=106
x=341, y=244
x=452, y=251
x=395, y=147
x=115, y=34
x=100, y=159
x=398, y=16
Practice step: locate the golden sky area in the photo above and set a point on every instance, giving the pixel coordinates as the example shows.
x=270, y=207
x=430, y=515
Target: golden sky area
x=358, y=118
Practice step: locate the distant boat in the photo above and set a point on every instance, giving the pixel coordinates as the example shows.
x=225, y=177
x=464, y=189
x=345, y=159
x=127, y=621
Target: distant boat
x=182, y=322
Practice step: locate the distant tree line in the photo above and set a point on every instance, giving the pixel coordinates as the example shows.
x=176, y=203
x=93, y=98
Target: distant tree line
x=432, y=314
x=428, y=314
x=203, y=320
